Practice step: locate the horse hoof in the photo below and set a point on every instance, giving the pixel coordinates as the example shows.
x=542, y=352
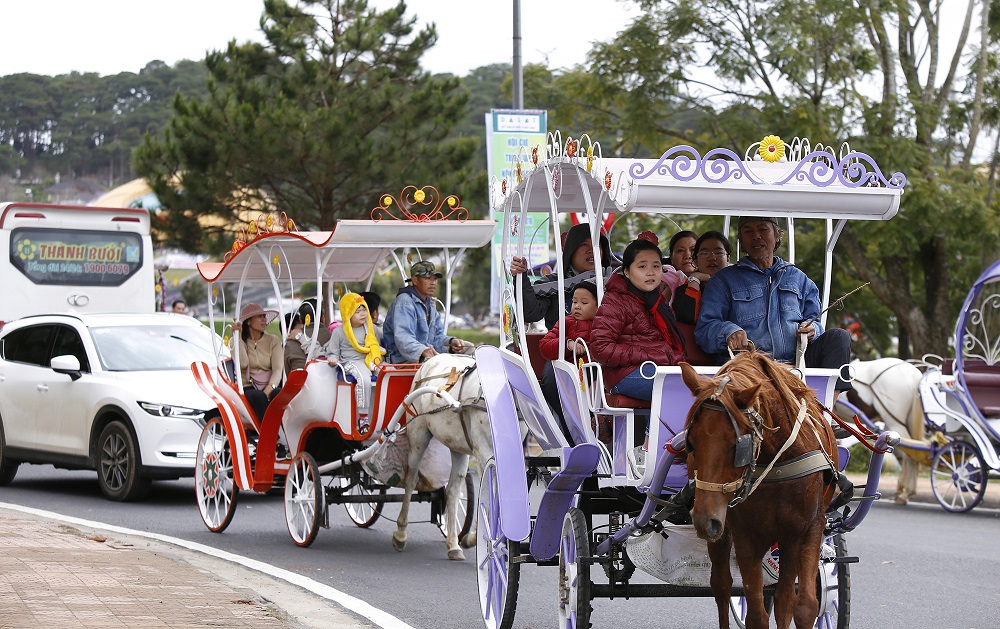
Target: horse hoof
x=398, y=544
x=901, y=499
x=468, y=541
x=456, y=554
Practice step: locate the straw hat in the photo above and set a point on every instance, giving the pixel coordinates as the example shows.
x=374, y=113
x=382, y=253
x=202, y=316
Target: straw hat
x=252, y=310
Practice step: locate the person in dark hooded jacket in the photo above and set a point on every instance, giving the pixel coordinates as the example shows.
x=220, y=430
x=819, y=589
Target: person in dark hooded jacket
x=542, y=300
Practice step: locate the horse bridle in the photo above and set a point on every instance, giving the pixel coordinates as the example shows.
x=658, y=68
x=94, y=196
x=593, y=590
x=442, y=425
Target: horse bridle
x=747, y=449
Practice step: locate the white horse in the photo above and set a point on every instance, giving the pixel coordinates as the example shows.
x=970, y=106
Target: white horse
x=465, y=432
x=888, y=390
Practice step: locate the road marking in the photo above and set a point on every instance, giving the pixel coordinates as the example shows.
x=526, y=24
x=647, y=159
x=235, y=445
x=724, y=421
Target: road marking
x=366, y=610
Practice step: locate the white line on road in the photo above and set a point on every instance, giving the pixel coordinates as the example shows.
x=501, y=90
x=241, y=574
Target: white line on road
x=381, y=618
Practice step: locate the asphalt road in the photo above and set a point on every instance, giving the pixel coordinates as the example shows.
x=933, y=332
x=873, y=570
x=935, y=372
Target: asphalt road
x=919, y=566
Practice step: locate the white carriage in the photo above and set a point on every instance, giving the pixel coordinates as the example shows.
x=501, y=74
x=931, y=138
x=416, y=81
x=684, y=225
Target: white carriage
x=315, y=414
x=594, y=509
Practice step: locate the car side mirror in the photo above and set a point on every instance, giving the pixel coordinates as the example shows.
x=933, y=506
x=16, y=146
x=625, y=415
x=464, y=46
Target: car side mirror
x=68, y=364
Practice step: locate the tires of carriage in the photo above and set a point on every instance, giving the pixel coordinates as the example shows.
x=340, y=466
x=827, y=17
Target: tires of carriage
x=305, y=500
x=833, y=589
x=215, y=486
x=466, y=508
x=363, y=514
x=958, y=476
x=499, y=574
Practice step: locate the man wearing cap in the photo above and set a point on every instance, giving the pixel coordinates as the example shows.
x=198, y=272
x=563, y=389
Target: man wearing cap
x=768, y=302
x=413, y=329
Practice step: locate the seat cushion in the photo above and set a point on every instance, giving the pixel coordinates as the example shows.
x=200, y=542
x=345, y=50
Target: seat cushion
x=623, y=401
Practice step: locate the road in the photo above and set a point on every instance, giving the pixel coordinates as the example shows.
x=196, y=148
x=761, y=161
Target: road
x=919, y=566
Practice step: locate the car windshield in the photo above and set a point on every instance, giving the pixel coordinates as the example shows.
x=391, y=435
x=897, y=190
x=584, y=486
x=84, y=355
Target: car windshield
x=152, y=347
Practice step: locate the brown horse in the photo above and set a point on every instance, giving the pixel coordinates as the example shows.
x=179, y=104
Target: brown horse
x=751, y=426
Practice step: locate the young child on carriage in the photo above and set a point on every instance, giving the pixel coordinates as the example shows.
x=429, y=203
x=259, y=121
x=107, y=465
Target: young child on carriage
x=355, y=347
x=577, y=325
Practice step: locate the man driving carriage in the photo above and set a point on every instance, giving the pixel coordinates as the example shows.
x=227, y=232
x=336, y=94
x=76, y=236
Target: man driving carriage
x=413, y=328
x=767, y=302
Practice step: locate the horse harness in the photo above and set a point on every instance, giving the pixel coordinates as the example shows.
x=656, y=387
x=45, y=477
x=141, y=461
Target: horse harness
x=452, y=378
x=748, y=449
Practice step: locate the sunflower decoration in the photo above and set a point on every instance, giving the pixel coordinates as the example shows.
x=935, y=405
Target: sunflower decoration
x=419, y=196
x=771, y=149
x=517, y=171
x=590, y=158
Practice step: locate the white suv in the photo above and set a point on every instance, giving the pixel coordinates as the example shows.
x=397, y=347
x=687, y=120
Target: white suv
x=113, y=393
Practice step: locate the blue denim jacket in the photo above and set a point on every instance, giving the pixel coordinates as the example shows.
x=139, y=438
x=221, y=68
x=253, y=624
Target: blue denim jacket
x=412, y=325
x=768, y=308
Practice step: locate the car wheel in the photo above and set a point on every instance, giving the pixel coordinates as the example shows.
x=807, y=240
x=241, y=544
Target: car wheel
x=8, y=468
x=118, y=464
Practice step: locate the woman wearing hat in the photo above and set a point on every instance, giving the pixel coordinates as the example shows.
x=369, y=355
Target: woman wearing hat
x=261, y=357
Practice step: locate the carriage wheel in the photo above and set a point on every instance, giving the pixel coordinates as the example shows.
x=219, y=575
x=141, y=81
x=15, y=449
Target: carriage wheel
x=466, y=509
x=214, y=484
x=738, y=607
x=574, y=572
x=305, y=499
x=833, y=584
x=498, y=575
x=958, y=477
x=363, y=514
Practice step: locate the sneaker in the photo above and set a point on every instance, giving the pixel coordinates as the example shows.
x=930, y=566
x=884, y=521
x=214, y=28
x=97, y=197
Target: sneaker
x=637, y=461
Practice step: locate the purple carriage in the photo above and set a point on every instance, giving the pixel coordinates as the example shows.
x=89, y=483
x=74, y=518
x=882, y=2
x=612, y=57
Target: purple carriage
x=598, y=519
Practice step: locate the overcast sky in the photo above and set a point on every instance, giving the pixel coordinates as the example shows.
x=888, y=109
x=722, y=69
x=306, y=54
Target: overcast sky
x=53, y=37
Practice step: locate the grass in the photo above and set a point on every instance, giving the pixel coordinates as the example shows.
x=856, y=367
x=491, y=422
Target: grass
x=477, y=337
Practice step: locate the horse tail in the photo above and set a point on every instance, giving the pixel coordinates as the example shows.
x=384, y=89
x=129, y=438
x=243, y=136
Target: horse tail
x=916, y=423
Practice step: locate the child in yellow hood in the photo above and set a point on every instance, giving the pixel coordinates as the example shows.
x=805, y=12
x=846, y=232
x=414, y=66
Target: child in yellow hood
x=355, y=347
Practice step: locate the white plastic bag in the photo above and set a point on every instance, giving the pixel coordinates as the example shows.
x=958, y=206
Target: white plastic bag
x=390, y=463
x=679, y=557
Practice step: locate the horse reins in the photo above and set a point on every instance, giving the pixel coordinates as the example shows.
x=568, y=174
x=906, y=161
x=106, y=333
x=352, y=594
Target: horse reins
x=452, y=378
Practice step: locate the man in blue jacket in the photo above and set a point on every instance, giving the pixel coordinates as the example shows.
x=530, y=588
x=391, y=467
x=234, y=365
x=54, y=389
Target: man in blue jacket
x=767, y=301
x=413, y=329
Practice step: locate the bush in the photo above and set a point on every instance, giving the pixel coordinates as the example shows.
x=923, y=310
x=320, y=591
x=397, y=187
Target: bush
x=860, y=458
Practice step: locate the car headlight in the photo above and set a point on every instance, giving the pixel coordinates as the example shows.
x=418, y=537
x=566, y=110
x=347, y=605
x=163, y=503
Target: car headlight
x=180, y=412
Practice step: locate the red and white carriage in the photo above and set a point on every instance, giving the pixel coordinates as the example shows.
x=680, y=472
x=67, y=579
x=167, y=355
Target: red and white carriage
x=315, y=414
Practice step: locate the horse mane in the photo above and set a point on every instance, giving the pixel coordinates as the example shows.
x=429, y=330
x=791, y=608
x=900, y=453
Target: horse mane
x=744, y=371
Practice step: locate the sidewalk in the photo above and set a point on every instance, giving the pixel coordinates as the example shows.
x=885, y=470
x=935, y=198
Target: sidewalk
x=55, y=575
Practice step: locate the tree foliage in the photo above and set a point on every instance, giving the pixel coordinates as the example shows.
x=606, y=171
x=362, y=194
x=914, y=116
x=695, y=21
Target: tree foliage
x=873, y=74
x=331, y=112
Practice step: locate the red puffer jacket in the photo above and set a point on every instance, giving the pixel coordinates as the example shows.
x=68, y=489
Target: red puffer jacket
x=624, y=335
x=548, y=346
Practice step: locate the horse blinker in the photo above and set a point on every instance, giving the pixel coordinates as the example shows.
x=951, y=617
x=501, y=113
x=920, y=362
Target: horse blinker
x=744, y=451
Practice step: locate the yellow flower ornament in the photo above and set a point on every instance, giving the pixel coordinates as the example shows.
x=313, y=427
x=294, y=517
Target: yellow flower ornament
x=771, y=149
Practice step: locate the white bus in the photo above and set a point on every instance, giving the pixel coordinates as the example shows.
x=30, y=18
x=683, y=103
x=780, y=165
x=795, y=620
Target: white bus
x=62, y=258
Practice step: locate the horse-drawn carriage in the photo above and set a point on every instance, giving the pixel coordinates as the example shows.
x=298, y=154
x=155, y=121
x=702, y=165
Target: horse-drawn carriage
x=596, y=509
x=950, y=409
x=315, y=420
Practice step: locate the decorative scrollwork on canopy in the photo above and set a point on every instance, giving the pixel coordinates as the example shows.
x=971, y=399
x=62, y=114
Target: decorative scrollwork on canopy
x=981, y=338
x=260, y=227
x=420, y=205
x=685, y=163
x=854, y=170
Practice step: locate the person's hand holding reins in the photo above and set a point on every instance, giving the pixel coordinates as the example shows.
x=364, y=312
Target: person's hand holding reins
x=738, y=341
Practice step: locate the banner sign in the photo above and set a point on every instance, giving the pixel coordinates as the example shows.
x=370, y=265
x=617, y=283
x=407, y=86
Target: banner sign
x=75, y=257
x=511, y=133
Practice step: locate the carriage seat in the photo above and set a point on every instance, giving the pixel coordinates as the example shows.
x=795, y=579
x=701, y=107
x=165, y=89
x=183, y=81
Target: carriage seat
x=535, y=358
x=983, y=382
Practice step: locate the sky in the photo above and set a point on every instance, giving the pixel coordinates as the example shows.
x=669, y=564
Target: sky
x=51, y=37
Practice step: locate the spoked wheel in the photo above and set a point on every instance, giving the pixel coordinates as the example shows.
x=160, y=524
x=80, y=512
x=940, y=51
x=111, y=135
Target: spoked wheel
x=363, y=514
x=305, y=499
x=833, y=584
x=498, y=576
x=738, y=606
x=958, y=477
x=214, y=484
x=574, y=572
x=466, y=509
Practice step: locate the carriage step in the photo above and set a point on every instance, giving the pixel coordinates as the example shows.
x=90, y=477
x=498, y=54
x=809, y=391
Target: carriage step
x=842, y=560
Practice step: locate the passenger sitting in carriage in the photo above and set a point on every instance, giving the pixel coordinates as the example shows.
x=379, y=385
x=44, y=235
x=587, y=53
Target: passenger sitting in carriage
x=300, y=333
x=577, y=325
x=374, y=300
x=768, y=302
x=413, y=328
x=635, y=325
x=355, y=347
x=711, y=254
